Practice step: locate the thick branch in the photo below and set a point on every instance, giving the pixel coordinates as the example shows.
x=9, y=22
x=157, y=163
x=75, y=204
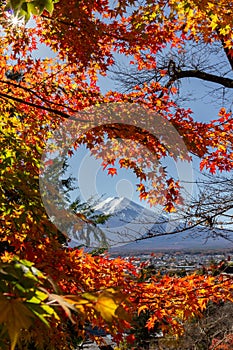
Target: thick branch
x=193, y=73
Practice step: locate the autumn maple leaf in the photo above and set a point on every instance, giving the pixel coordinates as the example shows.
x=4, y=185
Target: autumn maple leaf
x=112, y=171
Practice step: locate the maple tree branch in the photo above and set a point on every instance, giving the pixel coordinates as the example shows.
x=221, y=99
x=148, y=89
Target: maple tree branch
x=152, y=233
x=176, y=74
x=200, y=223
x=42, y=98
x=44, y=108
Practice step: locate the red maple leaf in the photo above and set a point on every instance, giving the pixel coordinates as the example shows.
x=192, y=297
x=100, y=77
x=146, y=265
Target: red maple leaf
x=112, y=171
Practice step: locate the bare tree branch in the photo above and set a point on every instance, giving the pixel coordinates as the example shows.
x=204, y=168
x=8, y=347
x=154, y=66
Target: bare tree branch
x=176, y=73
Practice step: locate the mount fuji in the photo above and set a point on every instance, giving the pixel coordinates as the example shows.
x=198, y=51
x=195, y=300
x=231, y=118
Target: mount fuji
x=125, y=213
x=129, y=223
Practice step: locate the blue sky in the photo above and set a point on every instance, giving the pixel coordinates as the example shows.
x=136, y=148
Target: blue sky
x=93, y=181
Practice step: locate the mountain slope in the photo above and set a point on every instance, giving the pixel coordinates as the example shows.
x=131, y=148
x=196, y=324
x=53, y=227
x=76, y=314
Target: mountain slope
x=130, y=221
x=123, y=212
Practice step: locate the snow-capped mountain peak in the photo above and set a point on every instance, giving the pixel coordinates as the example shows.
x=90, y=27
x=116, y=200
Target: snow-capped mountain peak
x=130, y=222
x=118, y=205
x=112, y=205
x=128, y=216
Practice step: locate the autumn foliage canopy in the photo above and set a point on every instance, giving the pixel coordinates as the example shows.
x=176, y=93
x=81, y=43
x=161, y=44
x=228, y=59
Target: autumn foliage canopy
x=48, y=292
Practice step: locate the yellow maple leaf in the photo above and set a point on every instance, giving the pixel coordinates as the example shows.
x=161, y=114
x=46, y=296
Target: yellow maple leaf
x=78, y=302
x=15, y=316
x=106, y=306
x=108, y=302
x=222, y=148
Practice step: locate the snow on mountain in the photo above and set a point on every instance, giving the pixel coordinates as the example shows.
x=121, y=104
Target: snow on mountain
x=123, y=211
x=104, y=205
x=112, y=205
x=130, y=221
